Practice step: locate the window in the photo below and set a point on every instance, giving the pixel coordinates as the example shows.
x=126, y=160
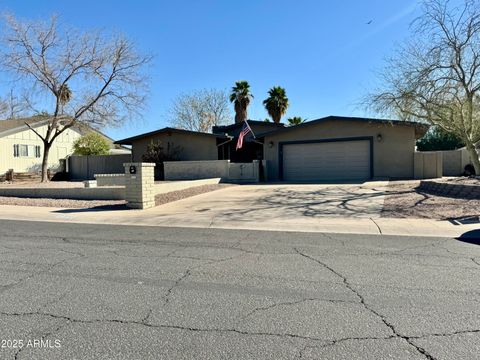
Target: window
x=21, y=150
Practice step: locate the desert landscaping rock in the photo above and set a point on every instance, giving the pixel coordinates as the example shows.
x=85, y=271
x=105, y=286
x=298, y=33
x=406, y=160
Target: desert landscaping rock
x=403, y=199
x=59, y=203
x=182, y=194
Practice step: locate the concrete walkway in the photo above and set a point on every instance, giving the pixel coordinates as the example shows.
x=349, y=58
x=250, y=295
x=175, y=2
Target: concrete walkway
x=303, y=208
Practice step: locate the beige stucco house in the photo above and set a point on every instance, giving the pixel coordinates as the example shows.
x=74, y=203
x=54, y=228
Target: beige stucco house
x=191, y=145
x=342, y=148
x=328, y=149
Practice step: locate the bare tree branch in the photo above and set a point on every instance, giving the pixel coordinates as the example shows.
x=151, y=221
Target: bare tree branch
x=200, y=110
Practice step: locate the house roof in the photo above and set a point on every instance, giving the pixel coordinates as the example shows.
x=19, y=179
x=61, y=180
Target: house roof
x=226, y=128
x=128, y=141
x=11, y=125
x=420, y=129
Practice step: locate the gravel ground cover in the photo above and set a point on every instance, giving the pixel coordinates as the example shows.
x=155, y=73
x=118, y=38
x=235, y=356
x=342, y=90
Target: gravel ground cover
x=404, y=200
x=78, y=204
x=59, y=203
x=161, y=199
x=473, y=180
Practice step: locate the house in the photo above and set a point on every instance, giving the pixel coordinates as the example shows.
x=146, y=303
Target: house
x=186, y=144
x=22, y=150
x=326, y=149
x=342, y=148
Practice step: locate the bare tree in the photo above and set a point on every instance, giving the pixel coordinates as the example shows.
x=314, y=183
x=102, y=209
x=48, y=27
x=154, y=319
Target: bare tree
x=434, y=77
x=13, y=106
x=83, y=78
x=200, y=110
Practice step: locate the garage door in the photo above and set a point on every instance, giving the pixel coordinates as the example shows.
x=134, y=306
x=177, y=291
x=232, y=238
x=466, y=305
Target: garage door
x=325, y=161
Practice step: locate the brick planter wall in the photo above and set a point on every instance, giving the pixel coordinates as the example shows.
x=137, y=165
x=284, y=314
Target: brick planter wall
x=463, y=191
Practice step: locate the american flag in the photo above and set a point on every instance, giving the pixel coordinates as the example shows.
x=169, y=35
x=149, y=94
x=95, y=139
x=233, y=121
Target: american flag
x=245, y=130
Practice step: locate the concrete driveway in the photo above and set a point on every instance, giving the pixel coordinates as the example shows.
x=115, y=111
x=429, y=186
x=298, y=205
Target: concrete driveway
x=282, y=202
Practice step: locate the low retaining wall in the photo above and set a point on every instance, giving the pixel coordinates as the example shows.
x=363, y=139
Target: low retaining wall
x=191, y=170
x=103, y=193
x=165, y=187
x=208, y=169
x=110, y=179
x=463, y=191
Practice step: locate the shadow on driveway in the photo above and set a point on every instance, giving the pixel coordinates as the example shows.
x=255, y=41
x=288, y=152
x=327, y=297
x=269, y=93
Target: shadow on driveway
x=345, y=201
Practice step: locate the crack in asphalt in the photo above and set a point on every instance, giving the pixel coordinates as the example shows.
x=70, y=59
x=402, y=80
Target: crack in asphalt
x=31, y=276
x=71, y=320
x=326, y=343
x=366, y=306
x=175, y=284
x=291, y=303
x=453, y=333
x=189, y=271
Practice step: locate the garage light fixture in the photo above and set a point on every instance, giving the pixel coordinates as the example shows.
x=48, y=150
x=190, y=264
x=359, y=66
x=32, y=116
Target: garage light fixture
x=379, y=137
x=270, y=144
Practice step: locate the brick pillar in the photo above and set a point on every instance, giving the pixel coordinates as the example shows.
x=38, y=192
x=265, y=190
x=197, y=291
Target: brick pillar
x=139, y=185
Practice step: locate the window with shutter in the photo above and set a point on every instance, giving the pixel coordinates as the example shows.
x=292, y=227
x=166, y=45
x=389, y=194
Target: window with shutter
x=37, y=151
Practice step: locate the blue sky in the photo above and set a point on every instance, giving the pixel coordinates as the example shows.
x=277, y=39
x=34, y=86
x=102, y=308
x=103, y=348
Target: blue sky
x=323, y=52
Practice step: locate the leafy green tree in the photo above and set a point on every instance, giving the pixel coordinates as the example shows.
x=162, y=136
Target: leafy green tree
x=91, y=144
x=276, y=103
x=296, y=120
x=241, y=98
x=437, y=139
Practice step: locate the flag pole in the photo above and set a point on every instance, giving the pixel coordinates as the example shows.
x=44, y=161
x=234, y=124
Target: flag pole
x=253, y=134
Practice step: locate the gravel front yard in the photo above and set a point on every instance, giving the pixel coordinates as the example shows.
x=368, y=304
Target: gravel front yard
x=161, y=199
x=59, y=203
x=404, y=201
x=84, y=204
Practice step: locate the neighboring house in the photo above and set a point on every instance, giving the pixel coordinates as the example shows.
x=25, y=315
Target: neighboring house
x=22, y=150
x=192, y=145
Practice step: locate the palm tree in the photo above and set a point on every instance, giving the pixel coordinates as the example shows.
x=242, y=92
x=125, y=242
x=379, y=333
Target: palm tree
x=64, y=95
x=276, y=103
x=241, y=97
x=296, y=120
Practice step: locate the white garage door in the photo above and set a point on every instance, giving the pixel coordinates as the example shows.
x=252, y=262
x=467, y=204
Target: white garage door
x=325, y=161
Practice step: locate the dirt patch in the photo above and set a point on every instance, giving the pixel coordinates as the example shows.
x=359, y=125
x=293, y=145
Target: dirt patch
x=404, y=200
x=59, y=203
x=161, y=199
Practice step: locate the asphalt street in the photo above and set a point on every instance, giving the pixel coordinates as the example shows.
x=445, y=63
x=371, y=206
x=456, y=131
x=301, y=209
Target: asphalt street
x=78, y=291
